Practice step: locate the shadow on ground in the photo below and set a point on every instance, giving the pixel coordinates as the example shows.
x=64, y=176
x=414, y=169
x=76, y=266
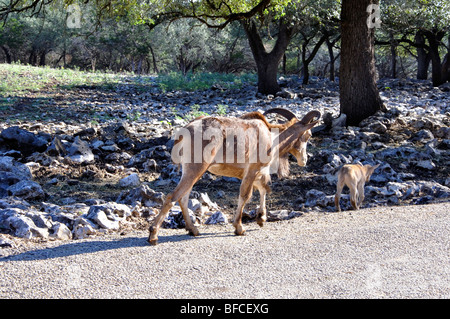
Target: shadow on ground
x=93, y=246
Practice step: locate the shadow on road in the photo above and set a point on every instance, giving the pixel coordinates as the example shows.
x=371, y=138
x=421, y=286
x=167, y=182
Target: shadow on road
x=92, y=246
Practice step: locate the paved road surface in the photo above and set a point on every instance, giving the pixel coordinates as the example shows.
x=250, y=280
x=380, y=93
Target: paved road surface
x=388, y=252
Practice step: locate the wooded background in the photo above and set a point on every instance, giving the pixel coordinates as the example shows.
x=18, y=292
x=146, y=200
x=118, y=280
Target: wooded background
x=302, y=37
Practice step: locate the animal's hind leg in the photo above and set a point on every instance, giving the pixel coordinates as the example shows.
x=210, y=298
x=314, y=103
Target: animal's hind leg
x=190, y=227
x=354, y=197
x=361, y=194
x=263, y=189
x=337, y=197
x=154, y=228
x=184, y=186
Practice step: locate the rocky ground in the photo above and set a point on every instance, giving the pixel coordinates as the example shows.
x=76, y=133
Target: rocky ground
x=93, y=160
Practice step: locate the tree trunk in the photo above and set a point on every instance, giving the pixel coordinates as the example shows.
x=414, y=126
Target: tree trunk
x=434, y=38
x=423, y=57
x=299, y=57
x=330, y=45
x=393, y=55
x=359, y=96
x=267, y=76
x=305, y=65
x=42, y=60
x=332, y=58
x=7, y=52
x=307, y=61
x=32, y=59
x=93, y=63
x=446, y=68
x=155, y=68
x=139, y=66
x=267, y=62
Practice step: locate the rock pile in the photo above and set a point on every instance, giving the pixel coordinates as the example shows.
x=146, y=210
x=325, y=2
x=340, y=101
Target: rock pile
x=81, y=151
x=16, y=180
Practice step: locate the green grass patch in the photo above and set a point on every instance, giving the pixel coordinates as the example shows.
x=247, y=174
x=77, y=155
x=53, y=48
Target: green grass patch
x=175, y=81
x=17, y=79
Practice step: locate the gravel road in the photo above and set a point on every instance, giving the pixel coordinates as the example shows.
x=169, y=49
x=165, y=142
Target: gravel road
x=383, y=252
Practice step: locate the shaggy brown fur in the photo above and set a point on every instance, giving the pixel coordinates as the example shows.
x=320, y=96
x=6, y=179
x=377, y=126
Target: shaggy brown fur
x=291, y=139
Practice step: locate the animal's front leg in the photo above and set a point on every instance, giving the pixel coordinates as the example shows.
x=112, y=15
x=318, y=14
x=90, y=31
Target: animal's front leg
x=244, y=195
x=237, y=222
x=154, y=228
x=262, y=184
x=261, y=215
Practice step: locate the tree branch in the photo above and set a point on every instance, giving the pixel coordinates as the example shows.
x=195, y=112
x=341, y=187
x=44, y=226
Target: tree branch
x=13, y=7
x=226, y=18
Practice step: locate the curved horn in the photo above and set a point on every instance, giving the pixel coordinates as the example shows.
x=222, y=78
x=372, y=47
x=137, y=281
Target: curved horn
x=283, y=112
x=310, y=117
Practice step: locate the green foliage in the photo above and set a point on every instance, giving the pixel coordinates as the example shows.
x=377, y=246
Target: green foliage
x=189, y=116
x=409, y=15
x=217, y=13
x=221, y=109
x=154, y=36
x=194, y=113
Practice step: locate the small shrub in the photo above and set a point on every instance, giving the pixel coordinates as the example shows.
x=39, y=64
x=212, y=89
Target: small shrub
x=221, y=109
x=194, y=112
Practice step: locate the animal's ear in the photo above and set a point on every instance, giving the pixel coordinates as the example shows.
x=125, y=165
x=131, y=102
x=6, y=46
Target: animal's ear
x=371, y=169
x=311, y=118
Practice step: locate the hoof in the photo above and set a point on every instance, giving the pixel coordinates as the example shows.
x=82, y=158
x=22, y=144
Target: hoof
x=153, y=242
x=261, y=218
x=194, y=232
x=241, y=233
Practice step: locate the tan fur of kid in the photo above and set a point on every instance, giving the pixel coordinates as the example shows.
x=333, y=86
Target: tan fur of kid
x=354, y=176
